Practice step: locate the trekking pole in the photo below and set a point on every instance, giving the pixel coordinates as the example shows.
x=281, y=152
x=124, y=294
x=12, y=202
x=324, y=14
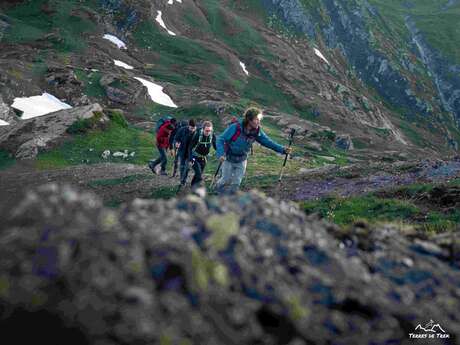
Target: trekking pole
x=215, y=175
x=291, y=138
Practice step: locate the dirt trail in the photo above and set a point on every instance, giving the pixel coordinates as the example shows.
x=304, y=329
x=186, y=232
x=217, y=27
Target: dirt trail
x=23, y=176
x=117, y=183
x=322, y=186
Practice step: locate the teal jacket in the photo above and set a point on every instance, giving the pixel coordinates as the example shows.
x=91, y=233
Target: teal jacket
x=237, y=151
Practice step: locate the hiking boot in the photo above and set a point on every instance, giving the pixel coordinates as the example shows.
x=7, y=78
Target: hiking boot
x=163, y=173
x=152, y=167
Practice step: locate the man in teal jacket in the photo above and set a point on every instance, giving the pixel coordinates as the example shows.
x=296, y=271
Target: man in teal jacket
x=233, y=146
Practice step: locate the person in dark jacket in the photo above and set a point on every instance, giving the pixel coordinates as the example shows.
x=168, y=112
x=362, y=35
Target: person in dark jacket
x=233, y=146
x=198, y=151
x=163, y=136
x=181, y=142
x=173, y=144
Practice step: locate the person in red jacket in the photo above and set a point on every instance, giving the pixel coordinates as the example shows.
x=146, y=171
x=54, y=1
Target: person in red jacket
x=163, y=135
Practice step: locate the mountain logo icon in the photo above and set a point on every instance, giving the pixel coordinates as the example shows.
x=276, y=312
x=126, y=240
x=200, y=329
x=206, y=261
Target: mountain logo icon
x=430, y=330
x=430, y=327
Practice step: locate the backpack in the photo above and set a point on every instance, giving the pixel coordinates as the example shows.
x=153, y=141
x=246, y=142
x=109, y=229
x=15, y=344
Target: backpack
x=162, y=121
x=237, y=134
x=238, y=131
x=201, y=141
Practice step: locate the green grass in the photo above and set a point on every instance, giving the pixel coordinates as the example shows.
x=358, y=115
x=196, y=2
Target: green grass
x=440, y=28
x=87, y=148
x=259, y=181
x=164, y=192
x=264, y=91
x=31, y=22
x=6, y=160
x=344, y=211
x=359, y=144
x=395, y=205
x=235, y=30
x=179, y=51
x=91, y=80
x=118, y=181
x=439, y=222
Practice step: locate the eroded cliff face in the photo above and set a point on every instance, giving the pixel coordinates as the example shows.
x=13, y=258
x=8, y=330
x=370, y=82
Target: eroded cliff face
x=444, y=73
x=405, y=71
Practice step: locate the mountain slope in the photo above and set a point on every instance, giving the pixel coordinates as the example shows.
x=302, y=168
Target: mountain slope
x=369, y=83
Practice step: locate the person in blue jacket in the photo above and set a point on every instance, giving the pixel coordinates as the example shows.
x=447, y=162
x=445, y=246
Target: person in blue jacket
x=233, y=146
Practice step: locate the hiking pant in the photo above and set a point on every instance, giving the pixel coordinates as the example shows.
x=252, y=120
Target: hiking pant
x=183, y=168
x=198, y=166
x=163, y=160
x=232, y=175
x=176, y=162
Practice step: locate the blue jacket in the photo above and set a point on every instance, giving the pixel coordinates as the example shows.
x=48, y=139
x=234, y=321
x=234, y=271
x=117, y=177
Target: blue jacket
x=237, y=151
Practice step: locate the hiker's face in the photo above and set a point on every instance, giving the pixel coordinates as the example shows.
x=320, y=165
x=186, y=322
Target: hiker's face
x=191, y=128
x=207, y=131
x=254, y=123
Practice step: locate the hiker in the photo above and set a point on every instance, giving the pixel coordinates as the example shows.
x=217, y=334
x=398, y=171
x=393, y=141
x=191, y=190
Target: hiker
x=164, y=131
x=234, y=145
x=181, y=143
x=173, y=144
x=198, y=151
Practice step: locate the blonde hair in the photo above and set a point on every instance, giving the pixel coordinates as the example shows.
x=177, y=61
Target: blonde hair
x=207, y=124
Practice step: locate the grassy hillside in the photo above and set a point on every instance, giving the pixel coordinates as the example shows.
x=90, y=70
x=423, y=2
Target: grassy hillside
x=439, y=25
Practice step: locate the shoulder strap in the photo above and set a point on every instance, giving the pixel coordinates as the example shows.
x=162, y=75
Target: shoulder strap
x=198, y=133
x=237, y=132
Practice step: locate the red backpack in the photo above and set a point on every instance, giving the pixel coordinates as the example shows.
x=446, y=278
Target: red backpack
x=237, y=133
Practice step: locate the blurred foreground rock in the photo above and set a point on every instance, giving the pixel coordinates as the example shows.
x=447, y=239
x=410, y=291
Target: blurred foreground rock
x=239, y=270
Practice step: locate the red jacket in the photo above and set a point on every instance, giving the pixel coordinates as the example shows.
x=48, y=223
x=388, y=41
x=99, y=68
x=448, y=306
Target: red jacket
x=163, y=135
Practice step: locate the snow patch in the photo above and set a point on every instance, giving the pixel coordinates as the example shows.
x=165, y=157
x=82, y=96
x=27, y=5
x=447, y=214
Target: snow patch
x=318, y=53
x=38, y=105
x=243, y=66
x=122, y=64
x=156, y=93
x=3, y=123
x=115, y=40
x=170, y=2
x=162, y=23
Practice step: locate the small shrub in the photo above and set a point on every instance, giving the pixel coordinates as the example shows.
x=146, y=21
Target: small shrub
x=6, y=159
x=84, y=125
x=117, y=117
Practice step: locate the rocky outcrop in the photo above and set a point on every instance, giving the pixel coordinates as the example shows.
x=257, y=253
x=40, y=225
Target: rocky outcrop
x=445, y=74
x=26, y=138
x=348, y=27
x=6, y=113
x=189, y=271
x=344, y=142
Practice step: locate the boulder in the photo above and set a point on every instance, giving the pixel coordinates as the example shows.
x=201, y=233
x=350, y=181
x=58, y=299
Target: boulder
x=217, y=106
x=7, y=113
x=27, y=137
x=146, y=125
x=344, y=142
x=188, y=271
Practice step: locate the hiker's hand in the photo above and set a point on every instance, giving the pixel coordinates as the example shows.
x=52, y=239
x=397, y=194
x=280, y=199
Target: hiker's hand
x=177, y=145
x=287, y=150
x=221, y=159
